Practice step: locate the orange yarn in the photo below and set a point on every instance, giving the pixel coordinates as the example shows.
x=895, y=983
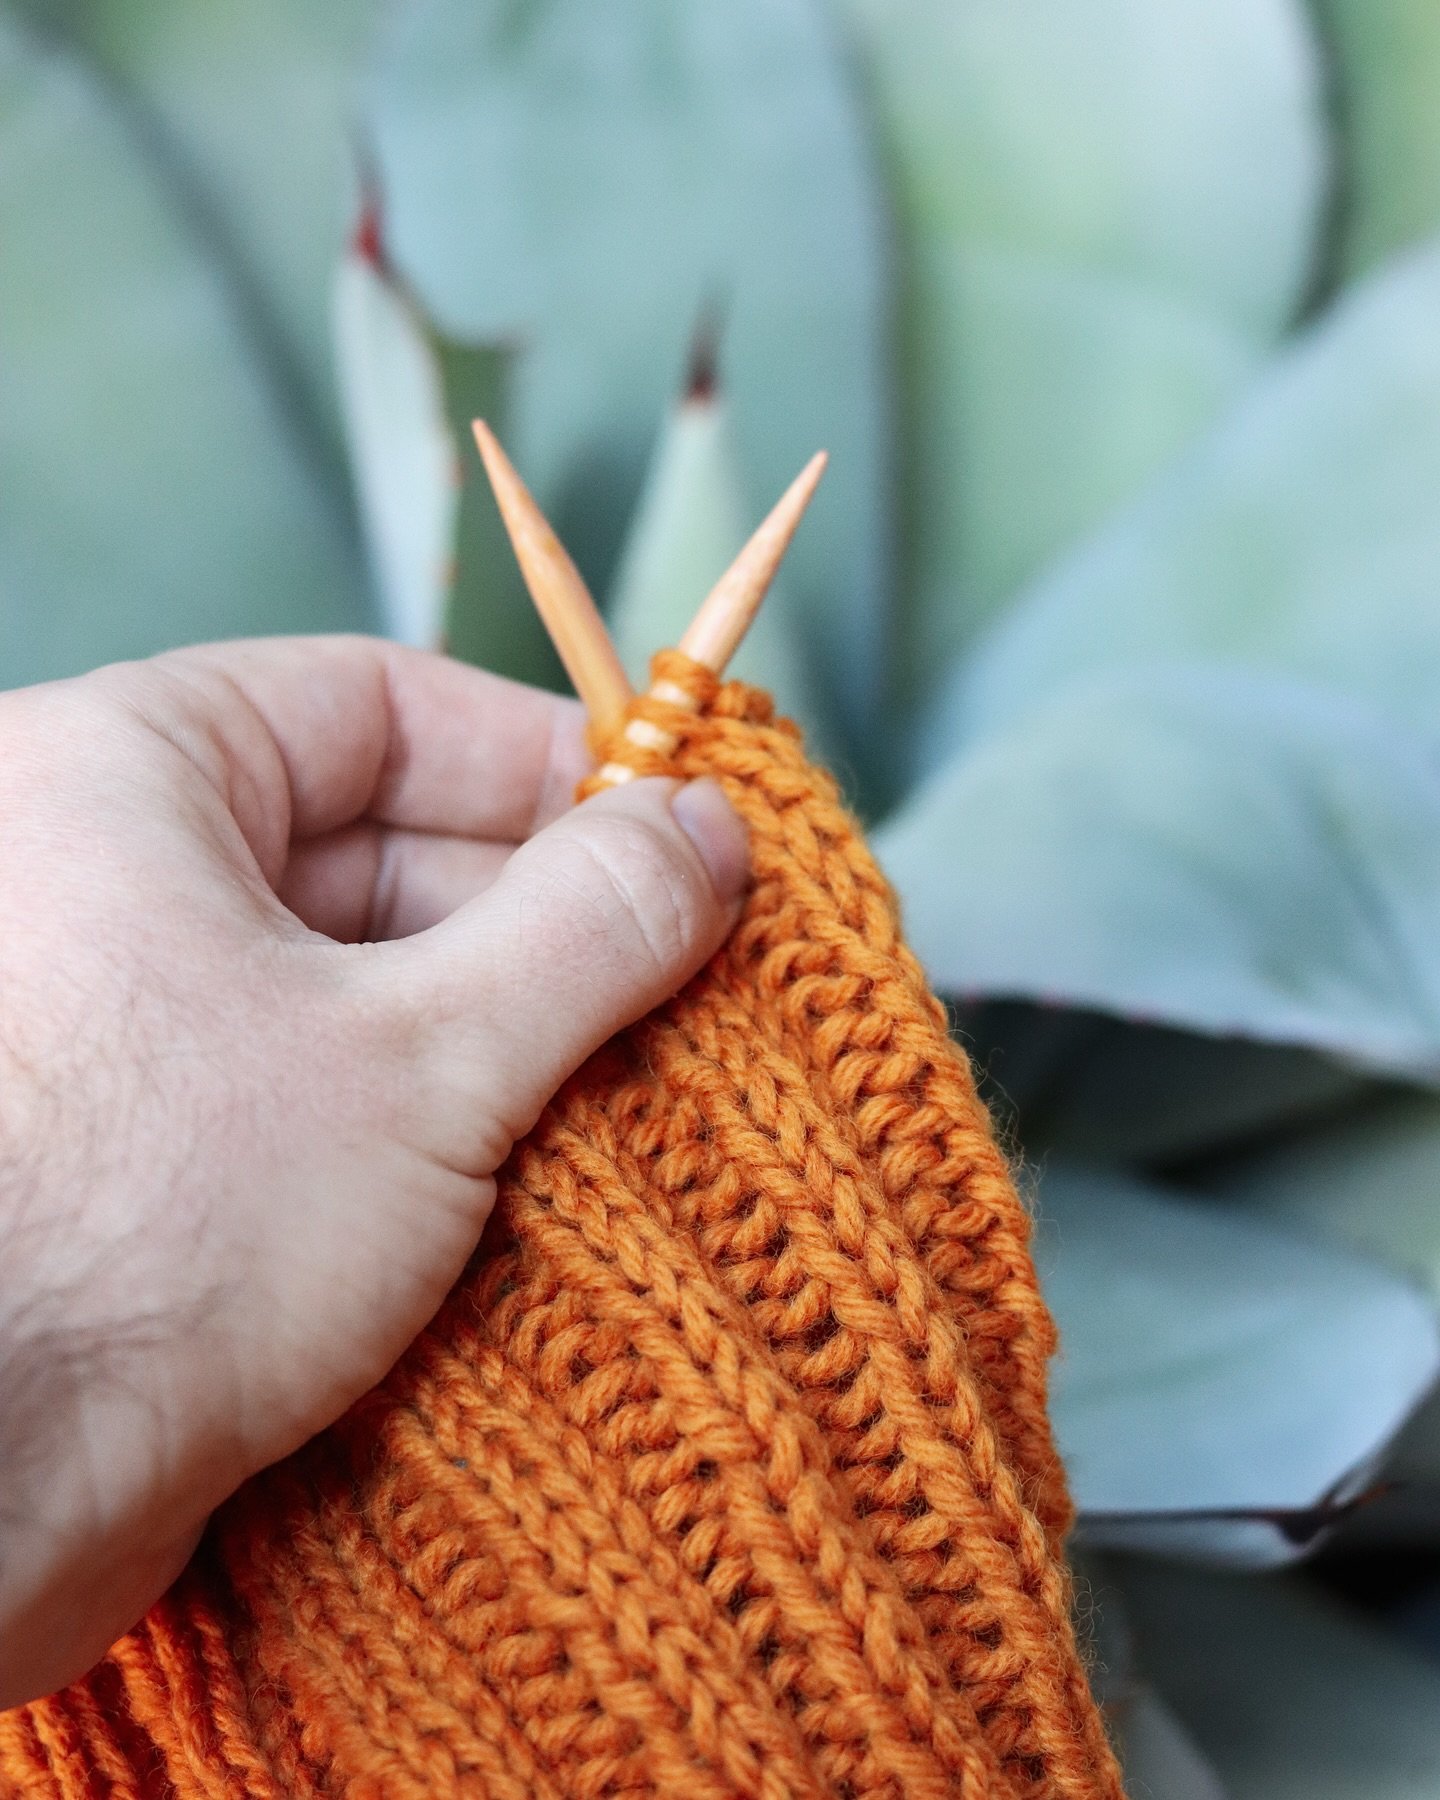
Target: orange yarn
x=725, y=1469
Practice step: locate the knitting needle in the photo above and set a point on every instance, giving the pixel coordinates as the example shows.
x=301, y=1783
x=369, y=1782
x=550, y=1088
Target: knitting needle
x=728, y=610
x=561, y=597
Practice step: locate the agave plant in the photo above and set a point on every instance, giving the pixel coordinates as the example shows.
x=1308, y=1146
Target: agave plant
x=1119, y=612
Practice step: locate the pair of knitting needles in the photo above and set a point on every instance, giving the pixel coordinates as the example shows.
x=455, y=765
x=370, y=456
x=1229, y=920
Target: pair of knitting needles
x=573, y=621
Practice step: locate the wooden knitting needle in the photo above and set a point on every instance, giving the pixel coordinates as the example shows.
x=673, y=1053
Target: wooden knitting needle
x=561, y=597
x=728, y=610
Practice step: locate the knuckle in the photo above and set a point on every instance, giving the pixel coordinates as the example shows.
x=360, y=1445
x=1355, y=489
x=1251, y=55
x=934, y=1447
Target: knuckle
x=644, y=892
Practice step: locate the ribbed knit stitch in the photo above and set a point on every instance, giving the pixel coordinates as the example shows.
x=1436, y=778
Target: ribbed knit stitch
x=724, y=1471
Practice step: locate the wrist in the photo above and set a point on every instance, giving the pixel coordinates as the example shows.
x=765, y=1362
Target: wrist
x=100, y=1501
x=96, y=1519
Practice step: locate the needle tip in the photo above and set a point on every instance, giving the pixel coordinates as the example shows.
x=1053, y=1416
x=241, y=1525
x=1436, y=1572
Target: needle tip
x=731, y=605
x=561, y=597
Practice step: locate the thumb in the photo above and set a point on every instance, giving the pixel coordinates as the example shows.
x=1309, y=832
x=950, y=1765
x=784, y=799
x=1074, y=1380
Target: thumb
x=594, y=921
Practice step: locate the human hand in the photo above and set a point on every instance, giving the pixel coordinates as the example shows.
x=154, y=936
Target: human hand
x=244, y=1149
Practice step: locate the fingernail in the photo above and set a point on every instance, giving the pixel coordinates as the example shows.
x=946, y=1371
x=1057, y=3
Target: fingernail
x=713, y=826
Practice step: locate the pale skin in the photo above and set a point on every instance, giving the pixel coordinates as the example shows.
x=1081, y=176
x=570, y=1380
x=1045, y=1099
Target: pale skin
x=299, y=937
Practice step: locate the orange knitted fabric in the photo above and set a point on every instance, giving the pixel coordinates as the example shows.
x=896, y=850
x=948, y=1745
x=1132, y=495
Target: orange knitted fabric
x=725, y=1470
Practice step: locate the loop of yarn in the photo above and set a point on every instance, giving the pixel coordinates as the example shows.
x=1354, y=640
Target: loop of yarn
x=726, y=1468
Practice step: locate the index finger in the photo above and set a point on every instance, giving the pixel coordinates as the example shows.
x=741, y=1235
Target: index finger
x=364, y=728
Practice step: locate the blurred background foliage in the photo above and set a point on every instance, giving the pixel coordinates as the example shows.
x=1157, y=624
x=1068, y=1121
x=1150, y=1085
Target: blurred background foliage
x=1117, y=614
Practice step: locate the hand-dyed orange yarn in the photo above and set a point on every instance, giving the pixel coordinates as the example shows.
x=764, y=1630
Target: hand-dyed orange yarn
x=725, y=1470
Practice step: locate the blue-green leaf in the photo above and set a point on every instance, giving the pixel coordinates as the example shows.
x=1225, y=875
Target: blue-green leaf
x=154, y=491
x=1212, y=1364
x=1302, y=535
x=1114, y=1090
x=250, y=110
x=692, y=519
x=1241, y=857
x=1412, y=1512
x=489, y=616
x=587, y=180
x=402, y=451
x=1159, y=1760
x=1291, y=1696
x=1369, y=1178
x=444, y=570
x=1386, y=64
x=1107, y=212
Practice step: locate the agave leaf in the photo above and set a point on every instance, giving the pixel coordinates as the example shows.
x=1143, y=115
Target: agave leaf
x=489, y=616
x=249, y=109
x=1289, y=1695
x=402, y=451
x=1065, y=391
x=1249, y=858
x=1213, y=1367
x=444, y=570
x=1302, y=535
x=691, y=520
x=588, y=180
x=1369, y=1179
x=1413, y=1512
x=1247, y=1537
x=153, y=491
x=1107, y=213
x=1406, y=1509
x=1386, y=57
x=1160, y=1759
x=1110, y=1090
